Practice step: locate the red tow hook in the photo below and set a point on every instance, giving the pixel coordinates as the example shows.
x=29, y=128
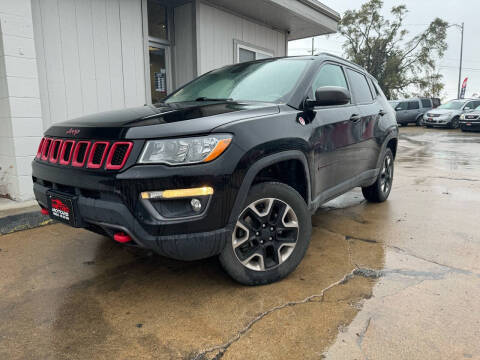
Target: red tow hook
x=122, y=238
x=44, y=211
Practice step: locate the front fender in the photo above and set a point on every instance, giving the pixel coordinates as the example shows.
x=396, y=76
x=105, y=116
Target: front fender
x=256, y=167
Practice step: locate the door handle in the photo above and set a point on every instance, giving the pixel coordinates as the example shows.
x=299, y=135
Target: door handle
x=355, y=118
x=381, y=112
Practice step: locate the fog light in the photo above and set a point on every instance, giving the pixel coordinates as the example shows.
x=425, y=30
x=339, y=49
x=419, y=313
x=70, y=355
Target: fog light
x=177, y=193
x=196, y=205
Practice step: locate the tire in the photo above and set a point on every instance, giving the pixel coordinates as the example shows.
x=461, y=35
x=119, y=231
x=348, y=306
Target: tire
x=259, y=252
x=454, y=123
x=380, y=190
x=419, y=121
x=429, y=126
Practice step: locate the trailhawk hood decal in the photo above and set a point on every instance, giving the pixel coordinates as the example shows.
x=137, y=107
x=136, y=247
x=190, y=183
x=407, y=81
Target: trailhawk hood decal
x=159, y=121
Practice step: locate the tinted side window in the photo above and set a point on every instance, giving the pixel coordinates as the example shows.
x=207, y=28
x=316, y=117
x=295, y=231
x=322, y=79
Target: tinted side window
x=329, y=75
x=470, y=104
x=402, y=106
x=426, y=103
x=476, y=104
x=413, y=105
x=360, y=88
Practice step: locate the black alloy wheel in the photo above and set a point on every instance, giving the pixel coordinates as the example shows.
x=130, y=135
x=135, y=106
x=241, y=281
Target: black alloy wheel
x=270, y=236
x=380, y=190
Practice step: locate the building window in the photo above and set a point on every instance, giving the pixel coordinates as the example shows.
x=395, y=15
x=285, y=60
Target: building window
x=247, y=52
x=157, y=20
x=158, y=73
x=157, y=43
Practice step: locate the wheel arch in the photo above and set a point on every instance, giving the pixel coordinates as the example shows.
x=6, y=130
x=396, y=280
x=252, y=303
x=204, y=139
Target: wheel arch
x=259, y=172
x=391, y=142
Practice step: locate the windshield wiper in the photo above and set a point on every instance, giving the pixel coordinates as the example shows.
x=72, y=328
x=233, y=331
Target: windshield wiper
x=204, y=98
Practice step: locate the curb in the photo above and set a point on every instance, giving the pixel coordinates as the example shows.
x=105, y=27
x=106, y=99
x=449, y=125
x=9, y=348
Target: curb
x=23, y=221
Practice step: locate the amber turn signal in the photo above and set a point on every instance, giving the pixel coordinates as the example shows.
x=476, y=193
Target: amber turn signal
x=218, y=150
x=177, y=193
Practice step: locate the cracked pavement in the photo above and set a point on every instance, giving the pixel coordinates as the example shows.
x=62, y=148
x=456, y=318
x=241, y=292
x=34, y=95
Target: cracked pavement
x=398, y=280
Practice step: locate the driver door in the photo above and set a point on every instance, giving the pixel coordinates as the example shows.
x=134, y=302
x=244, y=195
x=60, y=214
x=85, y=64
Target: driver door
x=332, y=138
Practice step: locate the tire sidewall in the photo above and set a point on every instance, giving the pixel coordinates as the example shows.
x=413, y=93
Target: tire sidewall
x=383, y=196
x=291, y=197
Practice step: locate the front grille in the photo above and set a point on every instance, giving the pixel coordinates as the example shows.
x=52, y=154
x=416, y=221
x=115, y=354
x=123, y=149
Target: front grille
x=98, y=154
x=119, y=154
x=83, y=153
x=471, y=117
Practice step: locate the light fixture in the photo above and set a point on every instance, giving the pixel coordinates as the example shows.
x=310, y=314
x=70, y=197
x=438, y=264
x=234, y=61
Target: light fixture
x=177, y=193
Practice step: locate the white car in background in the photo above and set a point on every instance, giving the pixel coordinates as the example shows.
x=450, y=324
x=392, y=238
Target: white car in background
x=448, y=114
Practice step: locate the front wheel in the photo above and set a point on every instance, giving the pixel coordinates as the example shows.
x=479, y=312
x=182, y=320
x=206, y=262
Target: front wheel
x=270, y=237
x=379, y=191
x=454, y=123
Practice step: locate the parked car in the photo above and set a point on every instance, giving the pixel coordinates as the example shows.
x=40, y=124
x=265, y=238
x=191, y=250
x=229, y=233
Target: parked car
x=448, y=114
x=232, y=164
x=411, y=110
x=471, y=120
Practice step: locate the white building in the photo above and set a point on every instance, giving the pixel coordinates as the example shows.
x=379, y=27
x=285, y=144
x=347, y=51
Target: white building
x=60, y=59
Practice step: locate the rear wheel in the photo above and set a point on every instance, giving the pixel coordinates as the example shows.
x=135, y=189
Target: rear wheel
x=380, y=190
x=419, y=121
x=271, y=235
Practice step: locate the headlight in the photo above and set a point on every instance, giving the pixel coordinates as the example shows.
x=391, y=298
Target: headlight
x=186, y=150
x=462, y=117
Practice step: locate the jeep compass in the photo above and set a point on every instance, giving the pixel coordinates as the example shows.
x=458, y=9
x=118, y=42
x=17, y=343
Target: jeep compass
x=232, y=164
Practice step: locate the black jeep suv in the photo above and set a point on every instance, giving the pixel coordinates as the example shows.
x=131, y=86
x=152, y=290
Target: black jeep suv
x=232, y=164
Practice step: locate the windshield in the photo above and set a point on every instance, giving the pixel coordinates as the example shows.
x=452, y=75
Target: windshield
x=452, y=105
x=268, y=81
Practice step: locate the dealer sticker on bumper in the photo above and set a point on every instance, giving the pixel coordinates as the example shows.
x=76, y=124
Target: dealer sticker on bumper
x=61, y=208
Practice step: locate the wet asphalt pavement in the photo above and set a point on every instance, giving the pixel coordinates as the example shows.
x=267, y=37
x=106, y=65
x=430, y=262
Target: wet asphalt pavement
x=398, y=280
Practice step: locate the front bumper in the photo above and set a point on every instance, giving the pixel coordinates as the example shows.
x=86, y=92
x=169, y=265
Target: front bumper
x=470, y=125
x=437, y=121
x=109, y=202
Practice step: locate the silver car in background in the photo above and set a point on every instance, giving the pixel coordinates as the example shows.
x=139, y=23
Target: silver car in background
x=448, y=114
x=411, y=110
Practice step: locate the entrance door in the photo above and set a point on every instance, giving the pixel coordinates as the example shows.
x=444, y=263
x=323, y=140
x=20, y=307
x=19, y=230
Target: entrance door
x=159, y=86
x=157, y=20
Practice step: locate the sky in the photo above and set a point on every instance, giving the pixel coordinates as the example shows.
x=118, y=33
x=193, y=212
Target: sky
x=420, y=14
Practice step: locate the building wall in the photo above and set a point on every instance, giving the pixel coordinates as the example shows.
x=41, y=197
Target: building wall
x=217, y=29
x=90, y=56
x=20, y=112
x=184, y=44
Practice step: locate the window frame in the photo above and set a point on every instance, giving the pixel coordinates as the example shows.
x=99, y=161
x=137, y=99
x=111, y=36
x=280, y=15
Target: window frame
x=430, y=104
x=309, y=87
x=237, y=45
x=413, y=102
x=469, y=102
x=402, y=102
x=368, y=85
x=150, y=41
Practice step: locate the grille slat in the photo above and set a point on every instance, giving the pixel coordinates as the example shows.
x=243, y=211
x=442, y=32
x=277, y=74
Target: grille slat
x=81, y=153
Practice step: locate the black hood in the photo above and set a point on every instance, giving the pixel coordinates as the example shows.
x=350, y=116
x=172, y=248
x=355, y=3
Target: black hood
x=159, y=121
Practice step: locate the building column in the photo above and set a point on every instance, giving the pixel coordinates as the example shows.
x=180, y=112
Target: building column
x=20, y=110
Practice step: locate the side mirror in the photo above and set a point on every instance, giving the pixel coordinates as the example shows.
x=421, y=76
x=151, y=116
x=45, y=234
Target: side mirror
x=397, y=108
x=330, y=96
